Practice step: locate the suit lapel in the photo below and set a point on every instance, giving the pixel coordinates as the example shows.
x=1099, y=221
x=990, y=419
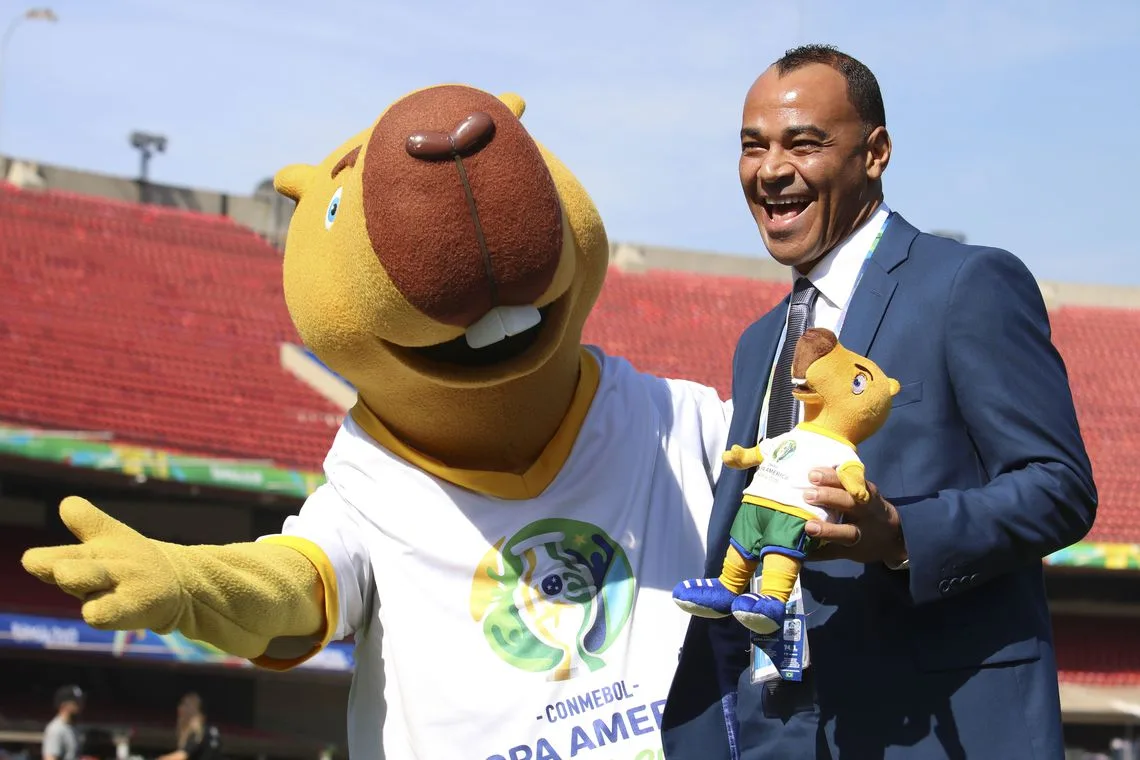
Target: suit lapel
x=876, y=286
x=868, y=304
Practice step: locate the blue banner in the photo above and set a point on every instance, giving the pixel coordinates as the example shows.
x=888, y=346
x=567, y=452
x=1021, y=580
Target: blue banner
x=62, y=634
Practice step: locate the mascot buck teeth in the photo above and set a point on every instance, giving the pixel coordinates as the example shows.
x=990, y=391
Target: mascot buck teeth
x=505, y=510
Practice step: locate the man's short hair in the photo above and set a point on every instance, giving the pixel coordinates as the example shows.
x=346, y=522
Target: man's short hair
x=69, y=693
x=862, y=87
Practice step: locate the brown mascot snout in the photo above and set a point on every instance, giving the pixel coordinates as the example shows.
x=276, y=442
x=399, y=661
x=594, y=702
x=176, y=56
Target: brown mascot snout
x=450, y=173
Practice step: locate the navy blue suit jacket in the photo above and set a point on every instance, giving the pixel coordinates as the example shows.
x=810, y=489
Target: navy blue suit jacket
x=984, y=459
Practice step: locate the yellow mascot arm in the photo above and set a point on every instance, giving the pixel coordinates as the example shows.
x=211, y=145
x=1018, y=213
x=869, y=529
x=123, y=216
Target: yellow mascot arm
x=740, y=458
x=851, y=475
x=237, y=597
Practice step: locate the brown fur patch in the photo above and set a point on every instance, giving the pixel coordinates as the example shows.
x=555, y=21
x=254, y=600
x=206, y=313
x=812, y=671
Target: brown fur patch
x=814, y=344
x=420, y=224
x=346, y=161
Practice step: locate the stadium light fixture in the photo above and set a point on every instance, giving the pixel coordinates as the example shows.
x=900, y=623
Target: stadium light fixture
x=32, y=14
x=147, y=145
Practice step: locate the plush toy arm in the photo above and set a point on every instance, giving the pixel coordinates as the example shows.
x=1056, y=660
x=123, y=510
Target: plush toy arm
x=740, y=458
x=237, y=597
x=852, y=476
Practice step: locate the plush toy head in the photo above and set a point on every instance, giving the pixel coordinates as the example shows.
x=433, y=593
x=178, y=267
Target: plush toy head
x=841, y=390
x=440, y=246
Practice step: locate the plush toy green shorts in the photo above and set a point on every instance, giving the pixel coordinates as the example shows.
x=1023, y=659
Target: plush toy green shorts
x=758, y=530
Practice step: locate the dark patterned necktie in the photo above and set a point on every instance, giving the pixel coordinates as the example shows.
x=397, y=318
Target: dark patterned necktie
x=781, y=403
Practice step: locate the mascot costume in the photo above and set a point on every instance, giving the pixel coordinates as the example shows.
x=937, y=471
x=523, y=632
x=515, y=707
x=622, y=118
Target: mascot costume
x=505, y=511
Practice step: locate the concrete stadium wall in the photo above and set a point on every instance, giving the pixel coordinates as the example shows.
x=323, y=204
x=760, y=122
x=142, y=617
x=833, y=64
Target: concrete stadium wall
x=268, y=214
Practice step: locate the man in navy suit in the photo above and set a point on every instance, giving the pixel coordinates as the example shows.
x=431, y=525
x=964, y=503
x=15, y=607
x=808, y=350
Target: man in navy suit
x=928, y=626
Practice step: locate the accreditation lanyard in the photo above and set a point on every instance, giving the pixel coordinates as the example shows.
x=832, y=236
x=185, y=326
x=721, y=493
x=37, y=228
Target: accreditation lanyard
x=842, y=318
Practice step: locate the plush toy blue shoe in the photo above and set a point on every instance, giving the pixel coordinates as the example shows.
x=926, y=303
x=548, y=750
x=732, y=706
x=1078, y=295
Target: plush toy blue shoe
x=759, y=614
x=704, y=597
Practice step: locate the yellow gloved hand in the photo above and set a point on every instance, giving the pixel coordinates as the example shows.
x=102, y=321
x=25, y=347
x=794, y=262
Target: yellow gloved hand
x=237, y=597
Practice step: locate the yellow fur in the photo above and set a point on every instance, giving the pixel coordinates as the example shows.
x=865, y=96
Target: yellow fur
x=778, y=577
x=239, y=597
x=740, y=458
x=834, y=408
x=737, y=571
x=350, y=314
x=273, y=600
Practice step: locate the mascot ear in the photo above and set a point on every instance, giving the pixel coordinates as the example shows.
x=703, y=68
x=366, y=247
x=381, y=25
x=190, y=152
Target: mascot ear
x=514, y=102
x=292, y=180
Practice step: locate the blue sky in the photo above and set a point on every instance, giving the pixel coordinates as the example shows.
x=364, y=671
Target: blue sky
x=1013, y=122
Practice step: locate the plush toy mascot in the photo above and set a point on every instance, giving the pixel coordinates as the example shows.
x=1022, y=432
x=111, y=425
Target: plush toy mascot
x=506, y=511
x=847, y=399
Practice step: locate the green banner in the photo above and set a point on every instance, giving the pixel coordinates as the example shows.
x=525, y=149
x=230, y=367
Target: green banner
x=98, y=452
x=1098, y=556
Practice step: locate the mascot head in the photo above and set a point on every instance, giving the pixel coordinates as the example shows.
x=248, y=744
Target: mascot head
x=441, y=246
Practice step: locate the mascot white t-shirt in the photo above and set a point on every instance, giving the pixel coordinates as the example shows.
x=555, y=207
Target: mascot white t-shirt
x=490, y=629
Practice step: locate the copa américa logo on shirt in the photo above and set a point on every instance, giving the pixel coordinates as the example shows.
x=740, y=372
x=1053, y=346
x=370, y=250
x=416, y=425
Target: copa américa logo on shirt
x=785, y=450
x=553, y=597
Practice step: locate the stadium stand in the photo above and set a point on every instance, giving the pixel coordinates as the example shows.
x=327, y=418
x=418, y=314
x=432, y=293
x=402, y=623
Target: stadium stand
x=162, y=326
x=1110, y=658
x=162, y=329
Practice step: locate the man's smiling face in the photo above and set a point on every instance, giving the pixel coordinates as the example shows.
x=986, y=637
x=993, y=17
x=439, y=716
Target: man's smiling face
x=809, y=165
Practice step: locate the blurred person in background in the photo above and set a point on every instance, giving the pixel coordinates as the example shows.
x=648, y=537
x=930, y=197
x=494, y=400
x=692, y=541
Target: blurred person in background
x=196, y=738
x=61, y=740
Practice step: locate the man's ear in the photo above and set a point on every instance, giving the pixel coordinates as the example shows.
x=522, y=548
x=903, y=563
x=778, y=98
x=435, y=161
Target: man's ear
x=292, y=180
x=514, y=102
x=878, y=153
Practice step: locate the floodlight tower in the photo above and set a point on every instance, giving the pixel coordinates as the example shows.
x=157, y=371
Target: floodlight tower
x=147, y=144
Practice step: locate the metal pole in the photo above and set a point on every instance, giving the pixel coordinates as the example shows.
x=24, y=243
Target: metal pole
x=32, y=14
x=3, y=56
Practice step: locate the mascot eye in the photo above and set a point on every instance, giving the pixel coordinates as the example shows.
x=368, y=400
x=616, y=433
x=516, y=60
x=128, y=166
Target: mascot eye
x=334, y=206
x=859, y=384
x=552, y=585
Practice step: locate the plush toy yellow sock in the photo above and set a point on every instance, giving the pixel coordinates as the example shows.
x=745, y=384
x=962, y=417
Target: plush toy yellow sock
x=238, y=597
x=778, y=577
x=737, y=572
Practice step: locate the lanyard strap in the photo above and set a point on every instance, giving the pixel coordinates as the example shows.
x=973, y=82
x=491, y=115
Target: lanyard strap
x=862, y=269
